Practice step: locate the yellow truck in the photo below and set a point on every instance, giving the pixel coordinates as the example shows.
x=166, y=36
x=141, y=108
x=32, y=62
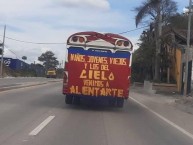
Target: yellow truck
x=51, y=73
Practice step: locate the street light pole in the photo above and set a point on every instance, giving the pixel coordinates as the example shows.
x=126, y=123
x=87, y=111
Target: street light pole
x=187, y=49
x=3, y=45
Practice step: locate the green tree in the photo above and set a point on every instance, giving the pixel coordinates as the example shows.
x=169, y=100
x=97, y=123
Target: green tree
x=49, y=60
x=183, y=19
x=143, y=58
x=60, y=73
x=158, y=11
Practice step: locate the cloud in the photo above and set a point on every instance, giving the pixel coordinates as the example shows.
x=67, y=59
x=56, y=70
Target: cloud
x=11, y=9
x=54, y=21
x=90, y=4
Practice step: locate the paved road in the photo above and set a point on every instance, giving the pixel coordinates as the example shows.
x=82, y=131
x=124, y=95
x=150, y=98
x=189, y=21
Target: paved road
x=23, y=110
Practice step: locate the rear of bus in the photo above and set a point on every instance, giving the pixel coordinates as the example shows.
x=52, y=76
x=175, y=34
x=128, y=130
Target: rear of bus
x=97, y=68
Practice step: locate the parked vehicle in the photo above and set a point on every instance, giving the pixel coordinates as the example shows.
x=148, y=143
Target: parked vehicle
x=97, y=67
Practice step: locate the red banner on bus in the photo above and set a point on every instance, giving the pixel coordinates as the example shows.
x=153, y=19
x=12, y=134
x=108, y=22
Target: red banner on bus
x=98, y=75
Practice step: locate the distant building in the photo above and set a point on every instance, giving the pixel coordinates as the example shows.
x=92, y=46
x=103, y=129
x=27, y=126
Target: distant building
x=15, y=64
x=176, y=43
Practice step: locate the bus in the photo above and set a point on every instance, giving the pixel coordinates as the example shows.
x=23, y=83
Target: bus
x=98, y=68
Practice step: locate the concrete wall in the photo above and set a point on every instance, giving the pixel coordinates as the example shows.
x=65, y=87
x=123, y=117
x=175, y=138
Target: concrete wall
x=148, y=87
x=164, y=87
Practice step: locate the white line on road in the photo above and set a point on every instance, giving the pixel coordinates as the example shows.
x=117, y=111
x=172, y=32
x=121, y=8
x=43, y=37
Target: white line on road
x=41, y=126
x=165, y=119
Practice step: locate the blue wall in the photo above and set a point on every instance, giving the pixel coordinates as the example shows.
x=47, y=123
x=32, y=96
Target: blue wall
x=15, y=64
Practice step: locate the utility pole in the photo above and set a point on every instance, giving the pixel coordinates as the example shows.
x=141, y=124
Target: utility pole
x=187, y=49
x=3, y=45
x=158, y=34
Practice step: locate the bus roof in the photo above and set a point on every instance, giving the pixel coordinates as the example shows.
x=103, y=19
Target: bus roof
x=91, y=38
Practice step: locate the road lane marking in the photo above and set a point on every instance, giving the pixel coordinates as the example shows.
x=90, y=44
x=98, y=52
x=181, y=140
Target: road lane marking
x=164, y=119
x=41, y=126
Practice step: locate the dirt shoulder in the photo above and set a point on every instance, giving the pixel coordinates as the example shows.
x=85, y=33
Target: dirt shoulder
x=171, y=98
x=169, y=106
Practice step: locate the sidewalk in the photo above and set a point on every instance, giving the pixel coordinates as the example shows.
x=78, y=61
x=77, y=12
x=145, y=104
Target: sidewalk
x=167, y=106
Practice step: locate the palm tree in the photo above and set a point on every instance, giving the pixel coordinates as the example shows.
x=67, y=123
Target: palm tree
x=157, y=10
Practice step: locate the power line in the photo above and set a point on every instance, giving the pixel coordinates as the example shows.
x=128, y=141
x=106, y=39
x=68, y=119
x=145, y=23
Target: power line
x=133, y=29
x=12, y=52
x=33, y=42
x=62, y=43
x=51, y=43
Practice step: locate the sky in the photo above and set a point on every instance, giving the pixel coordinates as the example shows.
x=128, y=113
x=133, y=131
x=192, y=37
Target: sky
x=53, y=21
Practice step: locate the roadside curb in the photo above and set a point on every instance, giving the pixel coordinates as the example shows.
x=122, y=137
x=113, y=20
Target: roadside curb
x=26, y=86
x=21, y=86
x=168, y=109
x=185, y=108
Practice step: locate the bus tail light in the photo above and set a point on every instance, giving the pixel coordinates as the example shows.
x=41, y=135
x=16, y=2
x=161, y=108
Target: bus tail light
x=75, y=39
x=65, y=82
x=81, y=39
x=78, y=39
x=65, y=77
x=119, y=43
x=126, y=43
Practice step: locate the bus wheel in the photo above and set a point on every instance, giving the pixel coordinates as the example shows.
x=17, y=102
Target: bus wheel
x=68, y=99
x=76, y=100
x=120, y=102
x=112, y=102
